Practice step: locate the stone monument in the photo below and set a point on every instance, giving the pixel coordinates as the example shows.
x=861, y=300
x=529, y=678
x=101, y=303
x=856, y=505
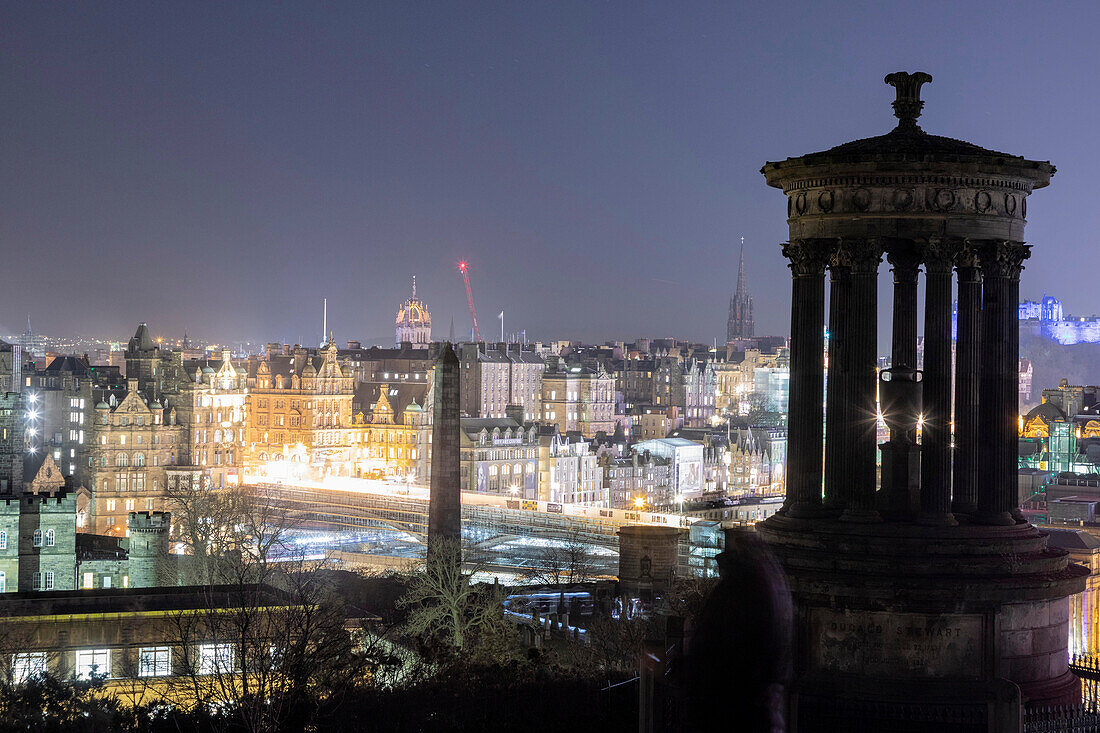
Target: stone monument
x=445, y=500
x=928, y=601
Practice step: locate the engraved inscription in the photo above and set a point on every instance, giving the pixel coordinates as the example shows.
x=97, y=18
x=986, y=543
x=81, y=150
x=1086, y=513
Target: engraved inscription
x=896, y=644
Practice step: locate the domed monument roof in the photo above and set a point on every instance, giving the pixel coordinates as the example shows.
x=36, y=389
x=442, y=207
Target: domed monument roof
x=907, y=173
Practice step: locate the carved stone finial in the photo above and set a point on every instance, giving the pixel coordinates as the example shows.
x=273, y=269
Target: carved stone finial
x=908, y=105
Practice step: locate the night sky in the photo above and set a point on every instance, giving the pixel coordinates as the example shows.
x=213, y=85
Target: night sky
x=221, y=168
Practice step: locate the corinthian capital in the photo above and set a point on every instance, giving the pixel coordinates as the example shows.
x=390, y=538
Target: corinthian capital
x=808, y=256
x=903, y=256
x=1001, y=258
x=938, y=253
x=861, y=255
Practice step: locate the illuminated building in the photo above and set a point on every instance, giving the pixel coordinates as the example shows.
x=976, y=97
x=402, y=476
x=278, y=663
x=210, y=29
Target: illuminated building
x=638, y=481
x=499, y=456
x=497, y=375
x=388, y=443
x=576, y=398
x=700, y=385
x=11, y=363
x=135, y=439
x=376, y=366
x=64, y=400
x=686, y=458
x=569, y=472
x=414, y=322
x=210, y=400
x=299, y=414
x=11, y=442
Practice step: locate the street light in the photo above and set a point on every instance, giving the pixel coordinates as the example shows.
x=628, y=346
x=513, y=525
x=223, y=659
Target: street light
x=639, y=502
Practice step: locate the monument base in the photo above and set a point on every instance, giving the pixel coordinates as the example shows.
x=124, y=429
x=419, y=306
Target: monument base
x=952, y=626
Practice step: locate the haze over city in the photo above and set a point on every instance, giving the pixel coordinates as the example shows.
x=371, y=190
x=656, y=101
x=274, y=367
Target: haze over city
x=221, y=168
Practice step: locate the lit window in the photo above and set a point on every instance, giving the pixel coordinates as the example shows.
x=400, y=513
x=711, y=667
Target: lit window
x=155, y=661
x=93, y=662
x=88, y=581
x=25, y=665
x=215, y=658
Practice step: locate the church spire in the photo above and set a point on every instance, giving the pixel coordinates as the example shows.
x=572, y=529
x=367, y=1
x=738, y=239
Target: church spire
x=414, y=287
x=741, y=271
x=740, y=323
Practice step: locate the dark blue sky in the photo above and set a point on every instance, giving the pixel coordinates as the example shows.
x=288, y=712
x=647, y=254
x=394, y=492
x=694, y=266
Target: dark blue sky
x=222, y=167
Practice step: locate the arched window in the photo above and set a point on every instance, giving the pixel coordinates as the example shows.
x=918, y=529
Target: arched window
x=492, y=471
x=518, y=469
x=37, y=539
x=228, y=436
x=505, y=470
x=139, y=459
x=217, y=436
x=49, y=538
x=122, y=459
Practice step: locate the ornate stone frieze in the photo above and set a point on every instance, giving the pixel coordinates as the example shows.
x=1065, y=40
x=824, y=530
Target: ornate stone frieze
x=895, y=194
x=808, y=256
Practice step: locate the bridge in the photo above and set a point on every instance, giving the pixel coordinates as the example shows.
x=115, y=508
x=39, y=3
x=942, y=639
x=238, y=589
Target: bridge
x=342, y=504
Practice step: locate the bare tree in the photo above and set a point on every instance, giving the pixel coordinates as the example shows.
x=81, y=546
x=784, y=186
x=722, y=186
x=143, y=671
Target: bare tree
x=231, y=535
x=563, y=564
x=444, y=605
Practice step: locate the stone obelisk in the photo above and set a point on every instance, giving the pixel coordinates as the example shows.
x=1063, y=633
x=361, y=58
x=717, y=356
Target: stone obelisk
x=445, y=504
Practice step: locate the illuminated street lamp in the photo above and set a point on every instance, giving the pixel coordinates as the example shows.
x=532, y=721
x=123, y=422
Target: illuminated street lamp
x=639, y=502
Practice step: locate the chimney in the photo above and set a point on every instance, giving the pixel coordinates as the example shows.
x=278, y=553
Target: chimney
x=515, y=412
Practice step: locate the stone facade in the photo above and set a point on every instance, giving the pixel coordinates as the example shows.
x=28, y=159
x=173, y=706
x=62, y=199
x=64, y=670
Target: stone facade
x=497, y=375
x=569, y=471
x=38, y=542
x=500, y=456
x=300, y=415
x=136, y=440
x=11, y=443
x=576, y=398
x=210, y=398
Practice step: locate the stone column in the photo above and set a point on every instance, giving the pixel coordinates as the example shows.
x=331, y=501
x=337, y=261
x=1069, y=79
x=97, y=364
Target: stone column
x=935, y=453
x=804, y=423
x=967, y=364
x=445, y=498
x=836, y=473
x=900, y=455
x=999, y=386
x=905, y=261
x=859, y=357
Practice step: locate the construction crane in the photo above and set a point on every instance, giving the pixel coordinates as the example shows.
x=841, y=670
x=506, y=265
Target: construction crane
x=462, y=267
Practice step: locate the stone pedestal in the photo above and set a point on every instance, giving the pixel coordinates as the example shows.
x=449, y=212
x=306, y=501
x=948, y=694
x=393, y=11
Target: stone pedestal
x=934, y=609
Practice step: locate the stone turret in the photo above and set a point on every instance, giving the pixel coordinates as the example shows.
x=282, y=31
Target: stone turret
x=150, y=561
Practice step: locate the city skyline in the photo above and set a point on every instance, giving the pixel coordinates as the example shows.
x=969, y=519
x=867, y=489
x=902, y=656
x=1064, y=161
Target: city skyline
x=596, y=168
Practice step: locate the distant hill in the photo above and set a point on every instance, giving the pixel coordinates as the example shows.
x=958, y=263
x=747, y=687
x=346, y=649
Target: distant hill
x=1053, y=362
